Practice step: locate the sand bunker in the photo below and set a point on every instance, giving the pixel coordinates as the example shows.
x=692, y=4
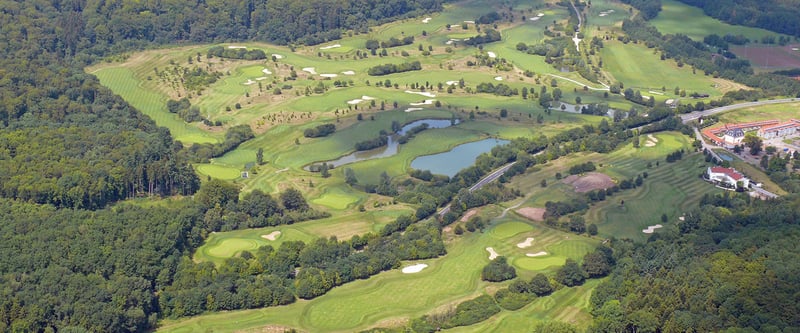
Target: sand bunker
x=310, y=70
x=651, y=141
x=359, y=100
x=367, y=98
x=414, y=269
x=426, y=20
x=426, y=102
x=450, y=83
x=277, y=56
x=261, y=78
x=590, y=182
x=537, y=254
x=652, y=228
x=471, y=22
x=423, y=93
x=414, y=109
x=272, y=236
x=492, y=253
x=349, y=73
x=237, y=47
x=540, y=14
x=266, y=71
x=492, y=54
x=535, y=18
x=330, y=47
x=329, y=75
x=535, y=214
x=527, y=243
x=249, y=82
x=498, y=78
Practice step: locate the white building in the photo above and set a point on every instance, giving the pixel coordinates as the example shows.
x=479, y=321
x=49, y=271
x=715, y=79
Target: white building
x=734, y=136
x=728, y=177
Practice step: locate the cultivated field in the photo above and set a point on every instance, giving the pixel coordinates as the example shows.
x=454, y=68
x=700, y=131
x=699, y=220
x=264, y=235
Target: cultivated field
x=770, y=57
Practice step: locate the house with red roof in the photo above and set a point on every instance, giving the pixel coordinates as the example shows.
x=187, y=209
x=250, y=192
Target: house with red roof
x=727, y=177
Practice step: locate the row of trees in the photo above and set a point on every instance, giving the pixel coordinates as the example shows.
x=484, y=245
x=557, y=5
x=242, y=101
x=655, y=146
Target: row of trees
x=387, y=69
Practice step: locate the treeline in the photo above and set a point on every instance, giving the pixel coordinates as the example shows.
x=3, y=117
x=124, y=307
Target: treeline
x=501, y=89
x=649, y=9
x=373, y=44
x=381, y=140
x=320, y=131
x=742, y=264
x=387, y=69
x=184, y=109
x=772, y=15
x=236, y=53
x=202, y=152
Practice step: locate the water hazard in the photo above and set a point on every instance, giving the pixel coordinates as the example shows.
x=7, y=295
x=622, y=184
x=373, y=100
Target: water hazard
x=460, y=157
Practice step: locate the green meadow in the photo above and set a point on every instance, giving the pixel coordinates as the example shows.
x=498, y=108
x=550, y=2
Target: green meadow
x=676, y=17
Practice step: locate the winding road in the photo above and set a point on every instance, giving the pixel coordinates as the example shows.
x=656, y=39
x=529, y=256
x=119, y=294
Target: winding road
x=485, y=180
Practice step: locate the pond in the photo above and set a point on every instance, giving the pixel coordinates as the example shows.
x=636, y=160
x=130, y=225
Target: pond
x=392, y=145
x=460, y=157
x=725, y=157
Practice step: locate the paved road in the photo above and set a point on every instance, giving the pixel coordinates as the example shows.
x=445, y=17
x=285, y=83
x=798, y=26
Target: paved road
x=485, y=180
x=706, y=146
x=697, y=114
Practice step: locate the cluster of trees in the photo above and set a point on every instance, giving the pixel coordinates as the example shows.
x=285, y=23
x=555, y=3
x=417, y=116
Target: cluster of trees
x=184, y=109
x=380, y=141
x=675, y=156
x=411, y=132
x=498, y=270
x=582, y=168
x=236, y=53
x=741, y=264
x=202, y=152
x=489, y=36
x=320, y=131
x=501, y=89
x=373, y=44
x=649, y=9
x=386, y=69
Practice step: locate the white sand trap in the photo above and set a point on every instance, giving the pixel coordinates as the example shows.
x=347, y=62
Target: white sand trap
x=471, y=22
x=682, y=218
x=602, y=14
x=537, y=254
x=540, y=14
x=330, y=47
x=652, y=228
x=426, y=20
x=649, y=143
x=423, y=93
x=414, y=109
x=498, y=78
x=535, y=18
x=652, y=138
x=426, y=102
x=277, y=56
x=261, y=78
x=237, y=47
x=272, y=236
x=310, y=70
x=249, y=82
x=414, y=269
x=349, y=73
x=266, y=71
x=492, y=54
x=655, y=92
x=367, y=98
x=527, y=243
x=450, y=83
x=795, y=49
x=449, y=42
x=492, y=253
x=355, y=101
x=329, y=75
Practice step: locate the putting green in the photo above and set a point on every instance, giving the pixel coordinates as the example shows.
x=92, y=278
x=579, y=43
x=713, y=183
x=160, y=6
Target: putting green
x=508, y=229
x=231, y=247
x=337, y=198
x=539, y=263
x=218, y=171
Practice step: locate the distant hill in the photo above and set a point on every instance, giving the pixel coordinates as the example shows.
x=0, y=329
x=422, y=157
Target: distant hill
x=774, y=15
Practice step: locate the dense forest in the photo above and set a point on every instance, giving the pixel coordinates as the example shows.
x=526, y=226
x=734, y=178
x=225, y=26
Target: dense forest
x=774, y=15
x=731, y=263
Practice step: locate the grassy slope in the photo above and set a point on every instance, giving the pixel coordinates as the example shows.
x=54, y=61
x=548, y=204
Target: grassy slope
x=676, y=17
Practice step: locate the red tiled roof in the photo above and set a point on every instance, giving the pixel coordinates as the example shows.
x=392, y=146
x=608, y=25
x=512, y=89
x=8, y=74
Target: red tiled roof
x=730, y=172
x=780, y=126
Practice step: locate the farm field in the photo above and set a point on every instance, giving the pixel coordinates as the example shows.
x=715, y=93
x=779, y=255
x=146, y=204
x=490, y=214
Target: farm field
x=770, y=57
x=391, y=297
x=676, y=17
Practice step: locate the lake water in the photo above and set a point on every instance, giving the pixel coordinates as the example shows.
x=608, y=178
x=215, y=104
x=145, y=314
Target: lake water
x=460, y=157
x=392, y=145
